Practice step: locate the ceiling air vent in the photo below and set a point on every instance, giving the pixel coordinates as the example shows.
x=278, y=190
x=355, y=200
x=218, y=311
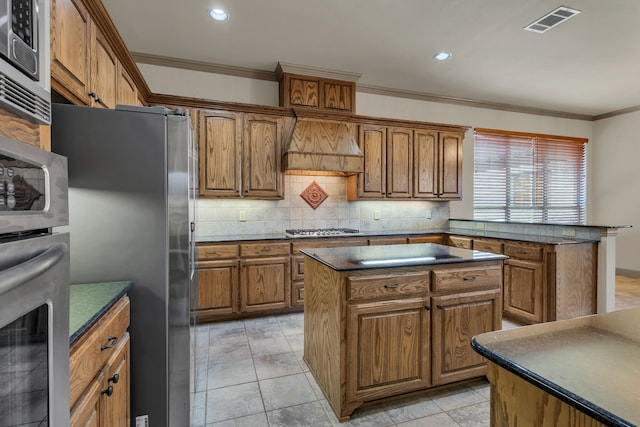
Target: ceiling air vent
x=551, y=19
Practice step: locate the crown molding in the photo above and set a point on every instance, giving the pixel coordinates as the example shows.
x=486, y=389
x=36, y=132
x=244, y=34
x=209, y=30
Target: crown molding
x=326, y=73
x=207, y=67
x=284, y=67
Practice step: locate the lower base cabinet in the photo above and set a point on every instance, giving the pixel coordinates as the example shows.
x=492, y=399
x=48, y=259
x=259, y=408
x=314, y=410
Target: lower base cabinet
x=99, y=367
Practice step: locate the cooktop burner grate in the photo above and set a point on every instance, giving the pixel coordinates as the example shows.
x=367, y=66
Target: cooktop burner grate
x=314, y=232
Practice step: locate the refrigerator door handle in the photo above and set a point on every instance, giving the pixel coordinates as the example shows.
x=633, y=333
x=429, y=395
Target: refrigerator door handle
x=15, y=276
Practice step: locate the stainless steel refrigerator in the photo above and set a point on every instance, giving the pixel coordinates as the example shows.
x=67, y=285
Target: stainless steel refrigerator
x=132, y=189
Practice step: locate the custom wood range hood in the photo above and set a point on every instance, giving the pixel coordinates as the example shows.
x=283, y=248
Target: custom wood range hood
x=319, y=146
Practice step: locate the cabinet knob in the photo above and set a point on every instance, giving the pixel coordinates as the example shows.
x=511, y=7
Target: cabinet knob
x=92, y=95
x=427, y=307
x=108, y=391
x=440, y=306
x=114, y=379
x=394, y=286
x=113, y=340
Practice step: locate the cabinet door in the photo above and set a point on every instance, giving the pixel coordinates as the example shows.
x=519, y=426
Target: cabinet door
x=337, y=95
x=456, y=319
x=387, y=241
x=450, y=166
x=425, y=166
x=460, y=242
x=127, y=91
x=86, y=412
x=435, y=238
x=399, y=162
x=71, y=49
x=373, y=144
x=220, y=150
x=104, y=71
x=218, y=286
x=387, y=348
x=523, y=290
x=264, y=284
x=116, y=404
x=262, y=155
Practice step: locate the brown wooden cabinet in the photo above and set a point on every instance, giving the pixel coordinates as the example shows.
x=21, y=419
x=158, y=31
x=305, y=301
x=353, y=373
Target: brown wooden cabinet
x=99, y=366
x=406, y=328
x=240, y=155
x=127, y=90
x=218, y=280
x=402, y=163
x=317, y=93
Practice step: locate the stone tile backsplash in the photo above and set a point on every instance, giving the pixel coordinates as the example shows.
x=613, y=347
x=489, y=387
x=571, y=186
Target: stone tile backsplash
x=218, y=217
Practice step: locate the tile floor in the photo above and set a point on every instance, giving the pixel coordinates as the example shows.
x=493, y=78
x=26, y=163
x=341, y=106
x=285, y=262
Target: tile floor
x=251, y=373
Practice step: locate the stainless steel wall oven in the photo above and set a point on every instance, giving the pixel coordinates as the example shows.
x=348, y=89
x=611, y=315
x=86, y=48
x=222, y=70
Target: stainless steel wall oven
x=34, y=287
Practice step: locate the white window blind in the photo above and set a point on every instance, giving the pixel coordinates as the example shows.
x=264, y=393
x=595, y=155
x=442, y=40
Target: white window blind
x=524, y=177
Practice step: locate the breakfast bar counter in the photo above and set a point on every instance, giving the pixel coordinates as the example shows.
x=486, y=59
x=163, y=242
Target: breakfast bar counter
x=577, y=372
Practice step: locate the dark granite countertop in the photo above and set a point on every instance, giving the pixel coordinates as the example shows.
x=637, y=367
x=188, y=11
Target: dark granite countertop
x=533, y=238
x=590, y=363
x=89, y=301
x=388, y=256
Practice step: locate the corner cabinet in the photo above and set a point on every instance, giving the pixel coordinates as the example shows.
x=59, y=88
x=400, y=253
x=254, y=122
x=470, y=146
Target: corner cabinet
x=240, y=155
x=408, y=163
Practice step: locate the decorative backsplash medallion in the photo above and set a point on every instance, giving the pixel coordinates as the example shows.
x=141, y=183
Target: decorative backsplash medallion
x=314, y=195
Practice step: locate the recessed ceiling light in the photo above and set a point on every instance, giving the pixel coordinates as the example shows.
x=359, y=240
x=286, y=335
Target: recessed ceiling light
x=218, y=14
x=442, y=56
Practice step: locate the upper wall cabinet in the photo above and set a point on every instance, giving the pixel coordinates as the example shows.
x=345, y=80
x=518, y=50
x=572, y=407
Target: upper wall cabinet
x=85, y=68
x=317, y=93
x=406, y=163
x=240, y=155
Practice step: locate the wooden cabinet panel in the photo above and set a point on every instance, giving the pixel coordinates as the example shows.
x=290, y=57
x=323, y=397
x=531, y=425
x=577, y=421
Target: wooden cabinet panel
x=262, y=153
x=388, y=348
x=425, y=152
x=71, y=49
x=264, y=284
x=217, y=286
x=263, y=249
x=492, y=246
x=104, y=71
x=372, y=141
x=116, y=409
x=455, y=320
x=303, y=92
x=434, y=238
x=338, y=96
x=399, y=162
x=450, y=165
x=523, y=251
x=216, y=251
x=451, y=279
x=317, y=93
x=460, y=242
x=388, y=285
x=388, y=240
x=220, y=151
x=524, y=293
x=127, y=91
x=86, y=412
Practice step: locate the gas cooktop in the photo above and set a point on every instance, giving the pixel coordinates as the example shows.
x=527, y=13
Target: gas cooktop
x=319, y=232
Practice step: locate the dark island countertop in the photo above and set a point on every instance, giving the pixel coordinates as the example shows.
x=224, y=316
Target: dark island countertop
x=590, y=363
x=388, y=256
x=89, y=301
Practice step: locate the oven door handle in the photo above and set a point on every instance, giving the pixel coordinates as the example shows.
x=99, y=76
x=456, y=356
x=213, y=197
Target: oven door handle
x=15, y=276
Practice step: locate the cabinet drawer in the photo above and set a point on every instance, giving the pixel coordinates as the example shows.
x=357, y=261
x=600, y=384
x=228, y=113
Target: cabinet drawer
x=487, y=246
x=88, y=357
x=533, y=253
x=467, y=278
x=264, y=249
x=207, y=252
x=388, y=285
x=460, y=242
x=434, y=238
x=387, y=241
x=327, y=243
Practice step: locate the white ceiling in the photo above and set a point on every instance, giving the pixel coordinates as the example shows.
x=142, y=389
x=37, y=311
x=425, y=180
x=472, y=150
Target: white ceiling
x=589, y=65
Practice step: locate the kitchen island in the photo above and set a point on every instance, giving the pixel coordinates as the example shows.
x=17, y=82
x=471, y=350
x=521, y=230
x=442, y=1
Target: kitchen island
x=382, y=321
x=577, y=372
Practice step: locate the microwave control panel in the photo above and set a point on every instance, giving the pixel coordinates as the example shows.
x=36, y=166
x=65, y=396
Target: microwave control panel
x=22, y=185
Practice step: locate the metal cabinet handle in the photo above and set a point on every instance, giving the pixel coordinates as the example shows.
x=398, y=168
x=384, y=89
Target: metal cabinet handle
x=427, y=307
x=113, y=340
x=114, y=379
x=92, y=95
x=440, y=306
x=394, y=286
x=470, y=278
x=108, y=391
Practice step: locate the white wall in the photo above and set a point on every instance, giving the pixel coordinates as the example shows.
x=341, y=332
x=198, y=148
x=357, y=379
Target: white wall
x=611, y=176
x=616, y=187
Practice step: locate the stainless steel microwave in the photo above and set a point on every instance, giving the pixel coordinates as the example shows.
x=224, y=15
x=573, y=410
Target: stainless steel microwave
x=24, y=59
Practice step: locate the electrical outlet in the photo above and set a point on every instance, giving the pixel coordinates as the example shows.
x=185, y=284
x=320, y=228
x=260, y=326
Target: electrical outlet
x=242, y=215
x=376, y=215
x=428, y=214
x=142, y=421
x=569, y=232
x=480, y=226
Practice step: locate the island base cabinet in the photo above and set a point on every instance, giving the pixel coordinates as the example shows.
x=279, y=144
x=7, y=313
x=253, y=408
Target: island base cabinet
x=388, y=348
x=514, y=401
x=455, y=320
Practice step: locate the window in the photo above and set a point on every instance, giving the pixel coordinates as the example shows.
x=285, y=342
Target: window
x=524, y=177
